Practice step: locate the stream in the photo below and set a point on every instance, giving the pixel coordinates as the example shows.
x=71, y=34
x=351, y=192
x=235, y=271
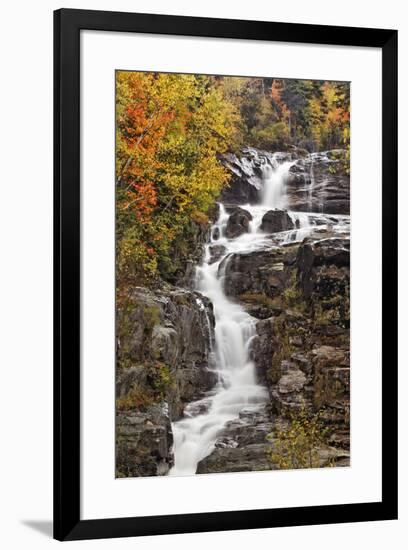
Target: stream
x=237, y=388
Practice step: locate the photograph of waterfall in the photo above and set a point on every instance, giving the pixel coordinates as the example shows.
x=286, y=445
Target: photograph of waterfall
x=232, y=274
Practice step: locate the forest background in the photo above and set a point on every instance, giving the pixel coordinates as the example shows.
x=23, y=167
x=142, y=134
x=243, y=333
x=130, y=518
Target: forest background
x=171, y=130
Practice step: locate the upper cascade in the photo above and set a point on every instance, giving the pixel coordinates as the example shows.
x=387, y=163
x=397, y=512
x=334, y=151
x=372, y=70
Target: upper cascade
x=311, y=182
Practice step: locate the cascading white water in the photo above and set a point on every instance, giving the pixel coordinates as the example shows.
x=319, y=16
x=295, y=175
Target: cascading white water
x=274, y=184
x=196, y=433
x=311, y=182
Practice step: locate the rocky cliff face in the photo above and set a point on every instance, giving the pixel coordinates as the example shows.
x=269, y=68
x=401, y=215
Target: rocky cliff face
x=317, y=182
x=143, y=441
x=300, y=294
x=164, y=360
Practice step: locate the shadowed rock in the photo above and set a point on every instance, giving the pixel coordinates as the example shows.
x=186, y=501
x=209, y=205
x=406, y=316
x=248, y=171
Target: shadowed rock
x=238, y=223
x=275, y=221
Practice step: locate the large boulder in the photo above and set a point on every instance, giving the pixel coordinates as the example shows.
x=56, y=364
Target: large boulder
x=238, y=223
x=257, y=273
x=275, y=221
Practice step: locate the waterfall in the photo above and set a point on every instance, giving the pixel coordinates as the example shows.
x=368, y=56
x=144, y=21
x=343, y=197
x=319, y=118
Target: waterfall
x=237, y=388
x=311, y=183
x=195, y=434
x=275, y=178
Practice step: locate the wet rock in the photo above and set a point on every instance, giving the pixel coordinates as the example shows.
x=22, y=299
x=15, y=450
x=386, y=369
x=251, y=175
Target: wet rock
x=164, y=361
x=252, y=458
x=260, y=311
x=242, y=445
x=143, y=442
x=217, y=251
x=319, y=183
x=246, y=171
x=260, y=272
x=238, y=223
x=275, y=221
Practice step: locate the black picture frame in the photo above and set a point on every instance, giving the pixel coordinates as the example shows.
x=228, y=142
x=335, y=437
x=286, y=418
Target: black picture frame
x=67, y=26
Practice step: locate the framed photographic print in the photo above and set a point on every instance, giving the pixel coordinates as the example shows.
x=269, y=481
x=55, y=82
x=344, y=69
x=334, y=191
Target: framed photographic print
x=225, y=274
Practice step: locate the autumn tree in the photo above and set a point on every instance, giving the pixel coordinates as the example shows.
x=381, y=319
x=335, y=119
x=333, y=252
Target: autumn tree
x=170, y=130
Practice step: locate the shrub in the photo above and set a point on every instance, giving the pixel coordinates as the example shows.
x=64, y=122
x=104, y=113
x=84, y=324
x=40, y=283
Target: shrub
x=297, y=446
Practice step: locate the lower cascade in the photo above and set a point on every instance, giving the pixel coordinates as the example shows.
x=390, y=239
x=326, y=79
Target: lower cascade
x=237, y=389
x=195, y=435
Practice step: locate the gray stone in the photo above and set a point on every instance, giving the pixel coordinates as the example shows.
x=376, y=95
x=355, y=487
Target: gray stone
x=238, y=223
x=143, y=442
x=174, y=327
x=275, y=221
x=217, y=251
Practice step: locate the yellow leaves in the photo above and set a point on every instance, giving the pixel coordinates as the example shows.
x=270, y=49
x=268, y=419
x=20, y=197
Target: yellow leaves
x=328, y=115
x=170, y=129
x=199, y=217
x=330, y=93
x=297, y=445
